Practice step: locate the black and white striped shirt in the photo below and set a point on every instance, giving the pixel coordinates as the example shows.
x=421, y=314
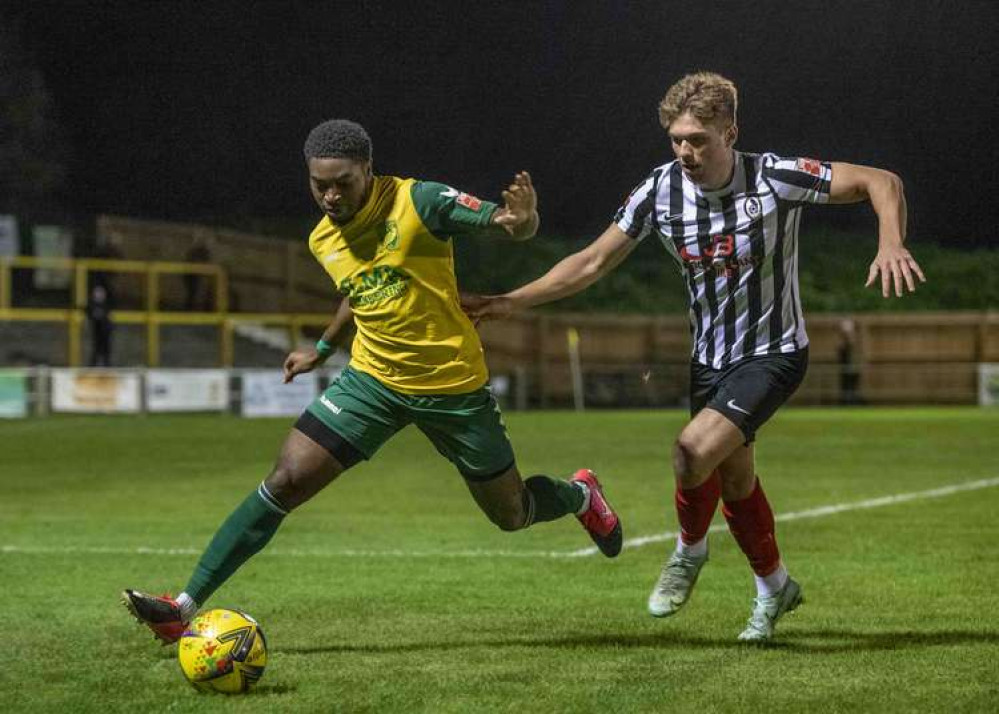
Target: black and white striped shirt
x=737, y=248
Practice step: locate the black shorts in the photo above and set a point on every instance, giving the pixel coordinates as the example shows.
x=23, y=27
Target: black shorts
x=748, y=392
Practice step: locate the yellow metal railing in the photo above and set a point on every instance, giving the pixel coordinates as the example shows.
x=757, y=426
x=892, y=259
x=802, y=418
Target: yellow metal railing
x=82, y=267
x=152, y=317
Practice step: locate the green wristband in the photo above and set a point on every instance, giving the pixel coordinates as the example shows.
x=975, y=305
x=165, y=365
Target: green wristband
x=324, y=348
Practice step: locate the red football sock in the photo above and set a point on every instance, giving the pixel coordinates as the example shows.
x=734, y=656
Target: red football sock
x=752, y=523
x=695, y=508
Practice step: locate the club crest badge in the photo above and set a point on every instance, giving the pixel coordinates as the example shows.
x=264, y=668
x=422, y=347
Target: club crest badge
x=390, y=236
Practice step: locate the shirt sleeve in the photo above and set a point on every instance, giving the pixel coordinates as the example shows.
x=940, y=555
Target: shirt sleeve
x=634, y=217
x=447, y=212
x=798, y=180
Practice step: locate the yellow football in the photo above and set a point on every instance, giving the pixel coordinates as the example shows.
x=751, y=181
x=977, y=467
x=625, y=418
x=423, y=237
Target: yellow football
x=223, y=651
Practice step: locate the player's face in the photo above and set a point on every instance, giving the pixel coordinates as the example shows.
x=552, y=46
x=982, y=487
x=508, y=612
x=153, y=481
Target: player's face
x=704, y=149
x=340, y=186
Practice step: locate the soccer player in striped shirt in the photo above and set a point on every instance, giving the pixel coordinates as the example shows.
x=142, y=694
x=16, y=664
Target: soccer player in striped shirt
x=730, y=220
x=386, y=242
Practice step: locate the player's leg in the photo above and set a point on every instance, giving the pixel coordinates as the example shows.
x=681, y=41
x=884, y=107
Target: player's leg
x=751, y=521
x=707, y=440
x=303, y=468
x=704, y=443
x=513, y=503
x=505, y=500
x=758, y=389
x=468, y=430
x=324, y=443
x=106, y=344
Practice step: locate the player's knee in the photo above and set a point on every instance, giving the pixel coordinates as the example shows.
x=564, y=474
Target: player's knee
x=508, y=516
x=281, y=484
x=510, y=524
x=292, y=485
x=688, y=459
x=300, y=474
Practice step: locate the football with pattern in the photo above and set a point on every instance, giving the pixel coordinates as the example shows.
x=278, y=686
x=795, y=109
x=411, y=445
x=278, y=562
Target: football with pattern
x=223, y=651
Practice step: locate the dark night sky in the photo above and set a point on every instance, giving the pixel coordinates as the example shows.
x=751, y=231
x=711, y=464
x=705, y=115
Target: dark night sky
x=199, y=110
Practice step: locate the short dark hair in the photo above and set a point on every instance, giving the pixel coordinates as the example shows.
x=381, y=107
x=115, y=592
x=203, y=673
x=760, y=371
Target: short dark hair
x=338, y=139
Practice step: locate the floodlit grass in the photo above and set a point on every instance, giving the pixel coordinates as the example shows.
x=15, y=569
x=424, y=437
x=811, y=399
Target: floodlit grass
x=391, y=593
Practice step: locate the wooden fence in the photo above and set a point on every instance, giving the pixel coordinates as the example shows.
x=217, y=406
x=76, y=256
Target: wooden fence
x=897, y=358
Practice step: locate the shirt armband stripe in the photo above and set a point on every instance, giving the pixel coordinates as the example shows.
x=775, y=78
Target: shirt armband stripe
x=795, y=178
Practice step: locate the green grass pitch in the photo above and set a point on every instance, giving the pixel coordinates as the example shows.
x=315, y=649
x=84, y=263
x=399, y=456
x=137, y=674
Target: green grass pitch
x=390, y=592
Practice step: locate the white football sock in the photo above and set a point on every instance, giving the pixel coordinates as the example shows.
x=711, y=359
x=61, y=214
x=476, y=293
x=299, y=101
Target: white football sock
x=188, y=608
x=586, y=497
x=770, y=585
x=692, y=550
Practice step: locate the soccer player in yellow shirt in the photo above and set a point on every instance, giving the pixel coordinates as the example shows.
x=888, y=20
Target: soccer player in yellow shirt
x=416, y=359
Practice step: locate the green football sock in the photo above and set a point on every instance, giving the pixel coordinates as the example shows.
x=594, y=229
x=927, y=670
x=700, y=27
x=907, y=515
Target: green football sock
x=552, y=498
x=244, y=533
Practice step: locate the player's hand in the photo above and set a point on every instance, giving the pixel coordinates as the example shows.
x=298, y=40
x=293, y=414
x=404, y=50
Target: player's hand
x=896, y=266
x=520, y=209
x=487, y=307
x=300, y=362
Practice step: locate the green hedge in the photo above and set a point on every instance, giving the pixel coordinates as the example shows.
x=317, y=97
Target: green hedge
x=832, y=271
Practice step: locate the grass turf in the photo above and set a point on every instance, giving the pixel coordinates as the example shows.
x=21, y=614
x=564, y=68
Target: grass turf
x=390, y=592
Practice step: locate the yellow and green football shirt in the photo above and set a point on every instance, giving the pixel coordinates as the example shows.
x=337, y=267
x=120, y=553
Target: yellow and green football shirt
x=395, y=263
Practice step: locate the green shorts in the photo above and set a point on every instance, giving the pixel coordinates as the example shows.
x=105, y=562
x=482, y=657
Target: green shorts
x=467, y=429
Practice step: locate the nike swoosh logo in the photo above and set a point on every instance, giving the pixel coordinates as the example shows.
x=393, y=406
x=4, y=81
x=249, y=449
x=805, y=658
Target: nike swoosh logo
x=732, y=405
x=450, y=193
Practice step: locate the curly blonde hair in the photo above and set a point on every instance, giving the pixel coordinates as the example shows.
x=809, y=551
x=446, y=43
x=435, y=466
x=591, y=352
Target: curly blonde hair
x=706, y=95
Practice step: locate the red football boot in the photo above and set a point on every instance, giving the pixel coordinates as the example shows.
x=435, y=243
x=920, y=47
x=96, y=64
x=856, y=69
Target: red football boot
x=159, y=614
x=599, y=519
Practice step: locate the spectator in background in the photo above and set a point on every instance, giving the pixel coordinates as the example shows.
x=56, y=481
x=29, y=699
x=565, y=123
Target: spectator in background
x=101, y=327
x=107, y=248
x=196, y=297
x=849, y=374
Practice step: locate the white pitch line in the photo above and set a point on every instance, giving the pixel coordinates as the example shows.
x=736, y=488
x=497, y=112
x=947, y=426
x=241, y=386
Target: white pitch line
x=824, y=511
x=290, y=553
x=818, y=512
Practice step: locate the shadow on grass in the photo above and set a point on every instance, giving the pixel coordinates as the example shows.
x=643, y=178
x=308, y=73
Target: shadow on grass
x=824, y=641
x=832, y=641
x=270, y=690
x=611, y=641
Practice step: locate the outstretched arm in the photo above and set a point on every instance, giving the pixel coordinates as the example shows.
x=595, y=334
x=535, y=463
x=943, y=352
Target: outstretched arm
x=569, y=276
x=852, y=184
x=518, y=217
x=306, y=360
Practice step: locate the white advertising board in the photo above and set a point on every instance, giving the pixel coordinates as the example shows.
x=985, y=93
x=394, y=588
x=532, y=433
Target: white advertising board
x=988, y=384
x=266, y=394
x=10, y=240
x=13, y=393
x=52, y=242
x=187, y=390
x=95, y=390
